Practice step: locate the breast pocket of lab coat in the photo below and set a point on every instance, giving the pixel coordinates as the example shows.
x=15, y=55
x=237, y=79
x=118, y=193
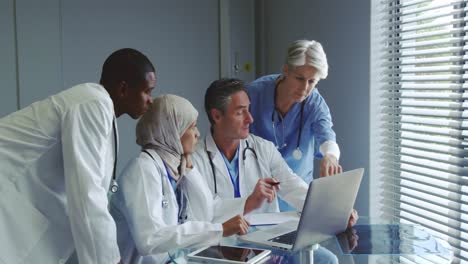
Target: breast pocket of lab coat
x=21, y=226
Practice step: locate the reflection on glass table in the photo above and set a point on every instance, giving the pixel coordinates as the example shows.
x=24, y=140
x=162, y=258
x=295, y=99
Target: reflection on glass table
x=376, y=243
x=389, y=243
x=402, y=239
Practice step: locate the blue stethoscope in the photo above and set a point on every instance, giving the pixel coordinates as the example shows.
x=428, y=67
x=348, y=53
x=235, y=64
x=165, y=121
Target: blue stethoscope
x=208, y=153
x=297, y=153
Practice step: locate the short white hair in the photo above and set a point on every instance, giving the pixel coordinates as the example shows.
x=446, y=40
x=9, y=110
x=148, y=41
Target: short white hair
x=308, y=52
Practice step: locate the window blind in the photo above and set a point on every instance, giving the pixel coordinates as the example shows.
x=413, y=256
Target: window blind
x=423, y=118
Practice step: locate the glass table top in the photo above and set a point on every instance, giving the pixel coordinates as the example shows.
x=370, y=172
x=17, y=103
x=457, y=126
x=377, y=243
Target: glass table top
x=364, y=243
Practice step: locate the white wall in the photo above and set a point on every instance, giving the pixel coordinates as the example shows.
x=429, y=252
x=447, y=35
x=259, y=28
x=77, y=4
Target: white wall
x=8, y=87
x=180, y=38
x=63, y=43
x=38, y=46
x=343, y=29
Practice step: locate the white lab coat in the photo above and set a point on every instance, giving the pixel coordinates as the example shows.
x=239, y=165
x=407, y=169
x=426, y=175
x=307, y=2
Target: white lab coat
x=147, y=231
x=56, y=160
x=270, y=163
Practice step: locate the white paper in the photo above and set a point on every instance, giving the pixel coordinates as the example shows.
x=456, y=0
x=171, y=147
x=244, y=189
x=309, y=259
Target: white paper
x=271, y=218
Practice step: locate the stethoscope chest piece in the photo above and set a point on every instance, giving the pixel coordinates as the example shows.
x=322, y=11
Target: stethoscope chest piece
x=114, y=186
x=297, y=154
x=165, y=203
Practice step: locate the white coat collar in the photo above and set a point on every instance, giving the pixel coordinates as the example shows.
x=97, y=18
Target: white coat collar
x=211, y=146
x=157, y=159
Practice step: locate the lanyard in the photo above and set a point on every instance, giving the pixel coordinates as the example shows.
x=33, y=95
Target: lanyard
x=171, y=180
x=235, y=183
x=180, y=197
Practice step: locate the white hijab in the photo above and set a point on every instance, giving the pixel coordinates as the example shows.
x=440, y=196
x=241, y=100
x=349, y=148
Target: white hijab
x=161, y=128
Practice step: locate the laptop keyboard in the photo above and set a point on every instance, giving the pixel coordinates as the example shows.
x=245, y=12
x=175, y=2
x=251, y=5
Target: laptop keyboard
x=287, y=238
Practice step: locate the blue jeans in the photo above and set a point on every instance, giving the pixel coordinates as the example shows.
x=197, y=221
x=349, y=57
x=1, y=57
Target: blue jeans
x=321, y=255
x=285, y=207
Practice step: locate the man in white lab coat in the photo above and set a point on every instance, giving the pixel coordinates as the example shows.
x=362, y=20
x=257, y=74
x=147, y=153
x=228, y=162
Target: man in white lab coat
x=240, y=165
x=237, y=164
x=57, y=160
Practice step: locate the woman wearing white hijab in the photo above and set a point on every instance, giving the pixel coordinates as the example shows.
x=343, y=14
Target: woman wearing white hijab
x=163, y=203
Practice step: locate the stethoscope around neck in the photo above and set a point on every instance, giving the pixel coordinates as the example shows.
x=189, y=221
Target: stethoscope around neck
x=297, y=153
x=164, y=202
x=182, y=214
x=208, y=153
x=114, y=186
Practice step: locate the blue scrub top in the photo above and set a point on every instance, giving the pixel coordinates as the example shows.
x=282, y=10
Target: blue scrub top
x=316, y=124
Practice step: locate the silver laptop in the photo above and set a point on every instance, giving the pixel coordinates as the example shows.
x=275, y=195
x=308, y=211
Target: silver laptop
x=326, y=211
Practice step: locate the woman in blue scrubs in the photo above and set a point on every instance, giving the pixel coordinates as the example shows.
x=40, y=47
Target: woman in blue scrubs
x=289, y=111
